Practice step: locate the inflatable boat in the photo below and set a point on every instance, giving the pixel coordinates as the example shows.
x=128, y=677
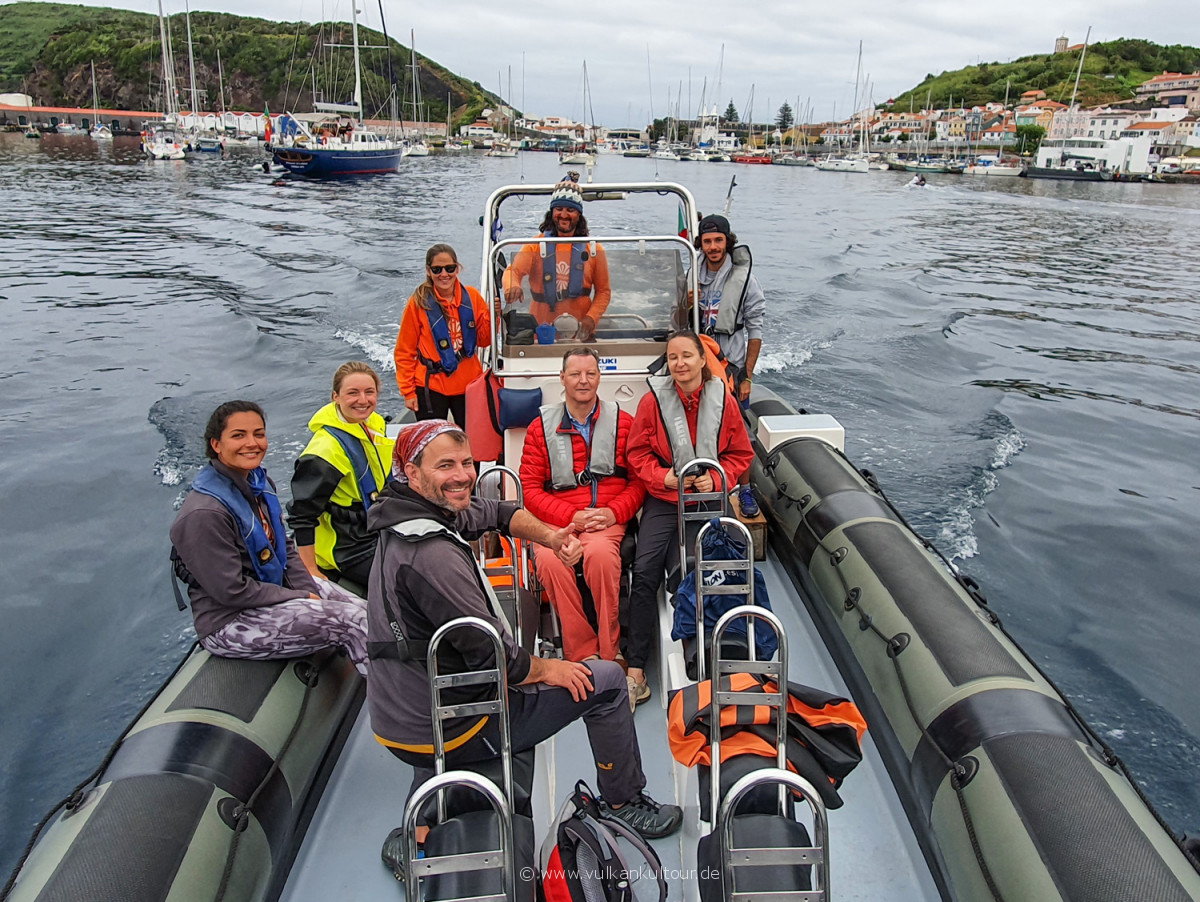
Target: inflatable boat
x=979, y=781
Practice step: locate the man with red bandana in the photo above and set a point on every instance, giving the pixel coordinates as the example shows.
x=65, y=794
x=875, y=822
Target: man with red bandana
x=425, y=575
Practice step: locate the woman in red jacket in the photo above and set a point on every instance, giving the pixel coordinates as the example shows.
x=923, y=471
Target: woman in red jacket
x=658, y=448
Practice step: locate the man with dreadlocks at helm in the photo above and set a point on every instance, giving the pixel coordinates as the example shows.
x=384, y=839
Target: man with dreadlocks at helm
x=569, y=278
x=425, y=575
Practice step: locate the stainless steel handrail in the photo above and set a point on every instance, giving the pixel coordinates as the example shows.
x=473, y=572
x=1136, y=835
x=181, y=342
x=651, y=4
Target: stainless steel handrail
x=703, y=566
x=719, y=698
x=502, y=858
x=498, y=706
x=816, y=855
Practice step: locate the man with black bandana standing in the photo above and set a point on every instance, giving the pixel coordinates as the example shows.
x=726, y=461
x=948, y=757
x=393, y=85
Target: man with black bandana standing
x=425, y=575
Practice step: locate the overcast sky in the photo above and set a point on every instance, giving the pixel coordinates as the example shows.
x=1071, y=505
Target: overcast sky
x=781, y=50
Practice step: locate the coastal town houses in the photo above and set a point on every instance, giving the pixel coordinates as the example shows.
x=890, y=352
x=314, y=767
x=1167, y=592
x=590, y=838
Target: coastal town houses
x=1173, y=89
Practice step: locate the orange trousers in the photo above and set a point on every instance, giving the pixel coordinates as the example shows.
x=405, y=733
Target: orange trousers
x=602, y=572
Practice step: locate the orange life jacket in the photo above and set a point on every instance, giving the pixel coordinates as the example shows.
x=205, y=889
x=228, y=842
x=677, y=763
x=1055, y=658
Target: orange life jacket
x=823, y=730
x=718, y=364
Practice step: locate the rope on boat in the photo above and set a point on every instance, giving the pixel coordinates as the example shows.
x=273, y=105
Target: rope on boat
x=242, y=812
x=76, y=798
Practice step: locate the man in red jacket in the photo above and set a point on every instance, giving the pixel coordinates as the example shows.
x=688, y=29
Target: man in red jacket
x=573, y=471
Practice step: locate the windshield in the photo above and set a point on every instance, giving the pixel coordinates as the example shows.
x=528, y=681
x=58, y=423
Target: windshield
x=597, y=290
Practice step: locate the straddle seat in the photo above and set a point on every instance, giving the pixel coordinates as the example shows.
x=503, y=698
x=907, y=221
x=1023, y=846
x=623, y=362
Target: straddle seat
x=473, y=851
x=757, y=849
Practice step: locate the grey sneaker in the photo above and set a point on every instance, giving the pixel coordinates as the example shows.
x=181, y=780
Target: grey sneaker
x=638, y=692
x=393, y=852
x=650, y=819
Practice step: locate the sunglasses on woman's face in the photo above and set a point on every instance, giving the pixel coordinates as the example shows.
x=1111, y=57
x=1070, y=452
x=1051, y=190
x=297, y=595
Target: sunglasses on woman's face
x=450, y=268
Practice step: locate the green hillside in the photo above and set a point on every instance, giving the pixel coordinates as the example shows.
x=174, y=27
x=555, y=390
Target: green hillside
x=46, y=51
x=1111, y=72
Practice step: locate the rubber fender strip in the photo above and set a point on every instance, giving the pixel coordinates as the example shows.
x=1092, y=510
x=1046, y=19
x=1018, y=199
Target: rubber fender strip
x=768, y=407
x=233, y=763
x=966, y=725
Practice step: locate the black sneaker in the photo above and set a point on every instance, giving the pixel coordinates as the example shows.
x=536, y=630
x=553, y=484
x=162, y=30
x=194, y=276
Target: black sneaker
x=648, y=817
x=393, y=852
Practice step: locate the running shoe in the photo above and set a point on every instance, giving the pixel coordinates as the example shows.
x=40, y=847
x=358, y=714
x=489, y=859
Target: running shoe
x=650, y=819
x=746, y=501
x=638, y=692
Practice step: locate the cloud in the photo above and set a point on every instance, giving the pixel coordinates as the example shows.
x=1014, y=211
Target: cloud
x=784, y=50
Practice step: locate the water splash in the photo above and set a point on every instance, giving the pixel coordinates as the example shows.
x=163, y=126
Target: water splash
x=378, y=350
x=956, y=534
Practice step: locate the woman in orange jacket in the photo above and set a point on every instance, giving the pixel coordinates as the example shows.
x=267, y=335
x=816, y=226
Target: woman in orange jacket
x=443, y=324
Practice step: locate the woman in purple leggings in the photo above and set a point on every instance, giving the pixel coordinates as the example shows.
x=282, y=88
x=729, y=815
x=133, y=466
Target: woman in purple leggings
x=251, y=595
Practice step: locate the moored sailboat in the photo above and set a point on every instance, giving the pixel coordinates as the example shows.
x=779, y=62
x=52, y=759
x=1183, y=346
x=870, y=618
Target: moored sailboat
x=333, y=141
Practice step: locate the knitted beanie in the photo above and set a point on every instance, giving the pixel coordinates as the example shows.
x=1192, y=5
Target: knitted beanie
x=567, y=193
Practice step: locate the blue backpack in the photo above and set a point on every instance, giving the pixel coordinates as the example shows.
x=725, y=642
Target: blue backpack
x=717, y=545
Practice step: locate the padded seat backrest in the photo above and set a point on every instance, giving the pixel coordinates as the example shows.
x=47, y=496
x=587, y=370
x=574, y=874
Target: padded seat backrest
x=758, y=831
x=478, y=831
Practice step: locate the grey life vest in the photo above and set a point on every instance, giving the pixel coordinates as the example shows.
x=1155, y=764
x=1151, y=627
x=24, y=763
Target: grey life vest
x=418, y=530
x=674, y=418
x=733, y=293
x=602, y=450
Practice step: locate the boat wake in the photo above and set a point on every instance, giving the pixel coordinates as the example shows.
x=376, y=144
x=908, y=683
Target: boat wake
x=956, y=533
x=379, y=351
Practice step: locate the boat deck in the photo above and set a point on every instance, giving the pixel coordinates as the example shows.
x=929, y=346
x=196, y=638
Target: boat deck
x=873, y=851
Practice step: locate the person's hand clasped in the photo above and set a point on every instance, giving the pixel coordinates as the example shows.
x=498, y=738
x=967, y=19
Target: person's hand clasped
x=569, y=675
x=702, y=483
x=599, y=518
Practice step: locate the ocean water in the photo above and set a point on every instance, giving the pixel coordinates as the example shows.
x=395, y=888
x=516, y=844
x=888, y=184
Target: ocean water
x=1017, y=361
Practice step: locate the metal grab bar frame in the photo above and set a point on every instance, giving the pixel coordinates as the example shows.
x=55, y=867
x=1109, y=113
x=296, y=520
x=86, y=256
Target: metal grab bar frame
x=719, y=698
x=699, y=499
x=498, y=706
x=703, y=566
x=415, y=868
x=816, y=855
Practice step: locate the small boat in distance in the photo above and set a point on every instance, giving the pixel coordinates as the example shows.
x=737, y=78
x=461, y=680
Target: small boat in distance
x=994, y=166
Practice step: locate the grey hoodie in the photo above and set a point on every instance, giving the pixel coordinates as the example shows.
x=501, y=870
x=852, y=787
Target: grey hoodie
x=428, y=583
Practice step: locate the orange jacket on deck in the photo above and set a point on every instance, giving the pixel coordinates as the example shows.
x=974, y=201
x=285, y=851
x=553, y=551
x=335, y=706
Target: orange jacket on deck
x=824, y=731
x=416, y=338
x=597, y=292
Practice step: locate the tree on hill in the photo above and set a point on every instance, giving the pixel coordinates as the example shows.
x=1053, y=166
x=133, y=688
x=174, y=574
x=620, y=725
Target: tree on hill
x=731, y=113
x=1112, y=71
x=784, y=118
x=1029, y=138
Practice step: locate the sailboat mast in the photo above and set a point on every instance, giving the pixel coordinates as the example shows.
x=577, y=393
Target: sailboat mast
x=167, y=64
x=187, y=15
x=1079, y=71
x=95, y=104
x=357, y=67
x=221, y=86
x=416, y=78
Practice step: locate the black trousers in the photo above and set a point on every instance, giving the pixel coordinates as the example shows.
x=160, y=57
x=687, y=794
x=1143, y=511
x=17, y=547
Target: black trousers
x=433, y=405
x=538, y=711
